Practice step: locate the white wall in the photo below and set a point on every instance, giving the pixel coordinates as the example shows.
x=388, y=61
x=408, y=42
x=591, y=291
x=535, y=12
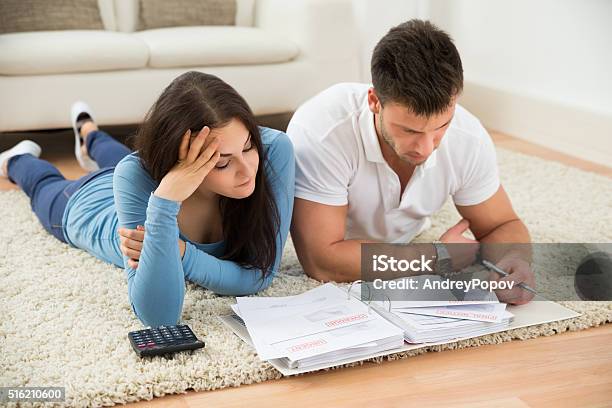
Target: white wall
x=560, y=50
x=536, y=69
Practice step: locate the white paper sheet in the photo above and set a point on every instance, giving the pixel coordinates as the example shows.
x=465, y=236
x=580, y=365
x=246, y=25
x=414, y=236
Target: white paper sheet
x=491, y=312
x=318, y=321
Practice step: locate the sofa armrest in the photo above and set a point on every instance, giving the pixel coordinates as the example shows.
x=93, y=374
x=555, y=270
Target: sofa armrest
x=322, y=29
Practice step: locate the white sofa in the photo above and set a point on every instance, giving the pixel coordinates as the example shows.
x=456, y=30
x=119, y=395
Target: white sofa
x=279, y=53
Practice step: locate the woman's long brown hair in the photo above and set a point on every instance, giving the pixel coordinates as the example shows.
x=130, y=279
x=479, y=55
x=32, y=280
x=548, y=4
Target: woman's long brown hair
x=194, y=100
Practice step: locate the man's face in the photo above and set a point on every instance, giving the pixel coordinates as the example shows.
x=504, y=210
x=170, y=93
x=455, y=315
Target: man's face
x=413, y=138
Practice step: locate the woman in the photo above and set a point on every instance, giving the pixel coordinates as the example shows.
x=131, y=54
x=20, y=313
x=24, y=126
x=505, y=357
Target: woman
x=213, y=191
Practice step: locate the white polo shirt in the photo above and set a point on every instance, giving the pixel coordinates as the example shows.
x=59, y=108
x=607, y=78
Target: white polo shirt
x=339, y=162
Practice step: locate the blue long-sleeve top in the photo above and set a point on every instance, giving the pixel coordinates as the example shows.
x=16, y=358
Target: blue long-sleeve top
x=156, y=288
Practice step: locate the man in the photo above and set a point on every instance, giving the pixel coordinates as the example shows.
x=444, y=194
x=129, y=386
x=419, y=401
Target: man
x=373, y=163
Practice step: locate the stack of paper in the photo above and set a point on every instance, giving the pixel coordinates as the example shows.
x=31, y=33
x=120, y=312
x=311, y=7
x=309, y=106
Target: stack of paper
x=424, y=328
x=316, y=327
x=331, y=331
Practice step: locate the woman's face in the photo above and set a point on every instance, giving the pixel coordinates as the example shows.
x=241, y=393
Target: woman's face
x=234, y=174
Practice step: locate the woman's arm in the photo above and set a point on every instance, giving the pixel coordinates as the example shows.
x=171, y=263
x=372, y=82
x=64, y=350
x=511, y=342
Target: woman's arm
x=156, y=289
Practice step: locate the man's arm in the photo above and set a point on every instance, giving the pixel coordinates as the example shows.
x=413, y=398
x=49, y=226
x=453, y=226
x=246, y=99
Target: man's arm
x=495, y=224
x=318, y=232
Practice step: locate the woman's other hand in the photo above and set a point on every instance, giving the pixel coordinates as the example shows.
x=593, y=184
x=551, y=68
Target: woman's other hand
x=131, y=242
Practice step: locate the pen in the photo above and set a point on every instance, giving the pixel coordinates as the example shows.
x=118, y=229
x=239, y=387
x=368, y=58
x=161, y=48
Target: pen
x=504, y=273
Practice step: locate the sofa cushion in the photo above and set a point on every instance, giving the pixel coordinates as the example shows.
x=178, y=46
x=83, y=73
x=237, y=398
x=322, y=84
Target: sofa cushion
x=181, y=13
x=206, y=46
x=127, y=14
x=43, y=15
x=59, y=52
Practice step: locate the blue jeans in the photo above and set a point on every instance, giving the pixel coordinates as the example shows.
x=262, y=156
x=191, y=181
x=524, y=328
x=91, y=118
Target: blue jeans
x=49, y=191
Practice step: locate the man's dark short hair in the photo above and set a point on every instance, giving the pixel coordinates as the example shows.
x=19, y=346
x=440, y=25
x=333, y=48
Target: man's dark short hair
x=417, y=65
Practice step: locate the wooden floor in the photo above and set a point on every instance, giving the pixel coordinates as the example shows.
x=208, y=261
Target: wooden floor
x=566, y=370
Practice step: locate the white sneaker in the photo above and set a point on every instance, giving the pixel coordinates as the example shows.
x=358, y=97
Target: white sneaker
x=24, y=147
x=85, y=161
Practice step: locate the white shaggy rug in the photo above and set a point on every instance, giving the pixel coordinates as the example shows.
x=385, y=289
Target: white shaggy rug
x=64, y=316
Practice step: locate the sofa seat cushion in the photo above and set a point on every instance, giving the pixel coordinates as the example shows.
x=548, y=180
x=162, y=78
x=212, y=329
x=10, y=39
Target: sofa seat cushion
x=215, y=45
x=60, y=52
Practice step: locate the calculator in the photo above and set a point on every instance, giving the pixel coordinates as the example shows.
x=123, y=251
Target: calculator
x=163, y=340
